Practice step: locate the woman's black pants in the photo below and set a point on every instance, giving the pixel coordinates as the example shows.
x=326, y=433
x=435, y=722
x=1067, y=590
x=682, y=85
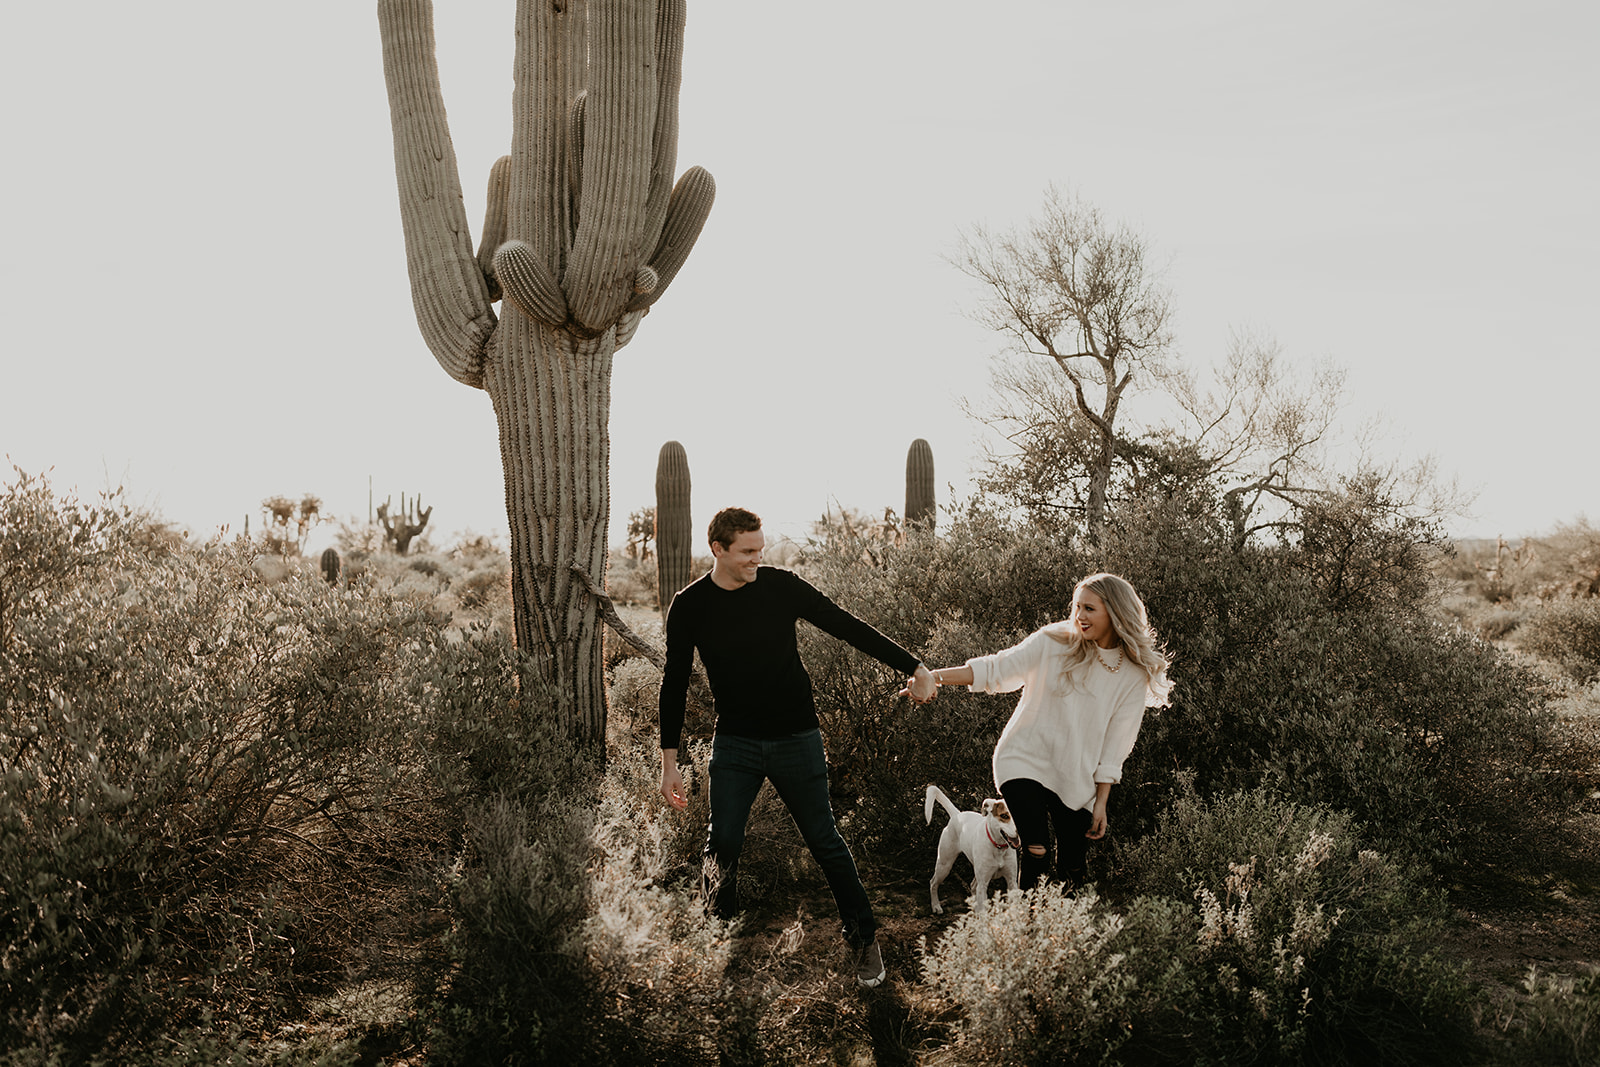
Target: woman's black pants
x=1038, y=811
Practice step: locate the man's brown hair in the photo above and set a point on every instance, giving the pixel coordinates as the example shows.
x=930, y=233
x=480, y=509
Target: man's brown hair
x=729, y=523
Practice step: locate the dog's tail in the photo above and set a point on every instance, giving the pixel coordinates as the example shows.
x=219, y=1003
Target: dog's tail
x=937, y=794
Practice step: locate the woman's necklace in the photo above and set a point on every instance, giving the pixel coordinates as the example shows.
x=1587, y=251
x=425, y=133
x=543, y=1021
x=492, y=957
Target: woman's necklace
x=1099, y=657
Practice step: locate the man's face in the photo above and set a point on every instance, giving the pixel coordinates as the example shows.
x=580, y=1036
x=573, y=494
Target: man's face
x=737, y=563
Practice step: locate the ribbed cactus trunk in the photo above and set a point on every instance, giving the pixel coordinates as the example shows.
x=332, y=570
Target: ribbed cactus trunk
x=557, y=500
x=674, y=526
x=921, y=508
x=584, y=231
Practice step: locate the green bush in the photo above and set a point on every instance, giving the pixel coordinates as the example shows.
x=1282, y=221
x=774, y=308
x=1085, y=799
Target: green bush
x=222, y=796
x=1315, y=668
x=1323, y=949
x=1498, y=621
x=1559, y=1025
x=517, y=906
x=1567, y=633
x=1255, y=931
x=1045, y=979
x=206, y=779
x=573, y=937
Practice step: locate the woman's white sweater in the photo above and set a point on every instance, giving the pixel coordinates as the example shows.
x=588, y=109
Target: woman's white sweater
x=1066, y=734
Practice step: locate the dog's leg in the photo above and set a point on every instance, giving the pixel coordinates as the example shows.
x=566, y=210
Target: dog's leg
x=949, y=849
x=981, y=877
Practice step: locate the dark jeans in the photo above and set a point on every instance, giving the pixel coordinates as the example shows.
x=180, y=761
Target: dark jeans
x=798, y=769
x=1037, y=811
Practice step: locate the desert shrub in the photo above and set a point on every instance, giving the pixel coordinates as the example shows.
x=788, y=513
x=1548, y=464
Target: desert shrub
x=1560, y=1022
x=1564, y=563
x=1364, y=548
x=1497, y=621
x=221, y=797
x=470, y=581
x=658, y=955
x=517, y=906
x=634, y=692
x=1256, y=931
x=1043, y=979
x=1426, y=733
x=631, y=580
x=1571, y=553
x=205, y=780
x=1567, y=633
x=574, y=937
x=1314, y=668
x=1321, y=948
x=480, y=734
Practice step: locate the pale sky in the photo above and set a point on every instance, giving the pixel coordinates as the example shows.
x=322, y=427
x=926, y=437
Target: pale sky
x=205, y=297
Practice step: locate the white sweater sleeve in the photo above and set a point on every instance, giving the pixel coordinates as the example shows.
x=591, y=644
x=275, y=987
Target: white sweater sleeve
x=1008, y=670
x=1121, y=732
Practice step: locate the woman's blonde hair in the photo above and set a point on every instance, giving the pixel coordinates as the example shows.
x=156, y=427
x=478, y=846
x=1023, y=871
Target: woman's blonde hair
x=1130, y=622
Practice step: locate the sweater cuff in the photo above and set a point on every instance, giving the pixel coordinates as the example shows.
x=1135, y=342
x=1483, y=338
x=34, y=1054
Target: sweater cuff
x=980, y=674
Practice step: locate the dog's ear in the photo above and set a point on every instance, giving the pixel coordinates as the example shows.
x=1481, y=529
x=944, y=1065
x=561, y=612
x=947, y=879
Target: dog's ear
x=988, y=806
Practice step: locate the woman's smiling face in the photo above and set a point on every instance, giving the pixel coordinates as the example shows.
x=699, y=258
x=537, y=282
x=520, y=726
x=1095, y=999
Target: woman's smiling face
x=1089, y=615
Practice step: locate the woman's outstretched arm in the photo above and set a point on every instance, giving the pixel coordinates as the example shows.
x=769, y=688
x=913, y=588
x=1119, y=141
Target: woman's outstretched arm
x=961, y=675
x=944, y=676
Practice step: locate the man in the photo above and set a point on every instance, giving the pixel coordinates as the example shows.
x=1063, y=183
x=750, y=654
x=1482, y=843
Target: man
x=741, y=617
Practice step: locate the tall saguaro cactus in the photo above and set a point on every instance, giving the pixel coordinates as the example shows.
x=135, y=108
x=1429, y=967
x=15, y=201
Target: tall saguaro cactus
x=584, y=231
x=674, y=527
x=920, y=506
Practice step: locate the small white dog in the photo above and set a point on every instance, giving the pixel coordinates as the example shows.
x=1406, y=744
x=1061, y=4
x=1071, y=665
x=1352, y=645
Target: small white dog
x=987, y=837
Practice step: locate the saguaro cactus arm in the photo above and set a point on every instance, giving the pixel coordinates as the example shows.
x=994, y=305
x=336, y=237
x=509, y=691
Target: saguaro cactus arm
x=448, y=289
x=669, y=78
x=495, y=217
x=685, y=216
x=527, y=283
x=622, y=98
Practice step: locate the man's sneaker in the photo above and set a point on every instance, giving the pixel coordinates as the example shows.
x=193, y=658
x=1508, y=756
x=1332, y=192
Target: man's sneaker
x=869, y=965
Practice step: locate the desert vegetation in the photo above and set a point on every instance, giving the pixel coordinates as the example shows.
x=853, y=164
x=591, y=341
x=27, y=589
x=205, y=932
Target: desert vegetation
x=252, y=816
x=398, y=804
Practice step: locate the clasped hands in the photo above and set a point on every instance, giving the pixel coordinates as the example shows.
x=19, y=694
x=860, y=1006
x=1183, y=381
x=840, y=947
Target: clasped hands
x=921, y=686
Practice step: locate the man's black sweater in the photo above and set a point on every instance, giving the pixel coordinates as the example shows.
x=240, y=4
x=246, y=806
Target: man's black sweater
x=747, y=643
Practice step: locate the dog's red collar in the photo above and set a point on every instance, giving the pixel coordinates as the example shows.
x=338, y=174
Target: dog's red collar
x=992, y=841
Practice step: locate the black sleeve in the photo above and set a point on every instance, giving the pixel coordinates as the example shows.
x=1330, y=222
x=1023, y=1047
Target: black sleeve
x=821, y=612
x=675, y=678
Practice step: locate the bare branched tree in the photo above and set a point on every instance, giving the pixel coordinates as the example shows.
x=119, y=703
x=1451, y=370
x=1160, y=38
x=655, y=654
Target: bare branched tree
x=1072, y=288
x=1249, y=441
x=1258, y=428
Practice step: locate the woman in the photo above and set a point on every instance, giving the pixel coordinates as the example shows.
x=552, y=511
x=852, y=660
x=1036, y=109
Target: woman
x=1085, y=684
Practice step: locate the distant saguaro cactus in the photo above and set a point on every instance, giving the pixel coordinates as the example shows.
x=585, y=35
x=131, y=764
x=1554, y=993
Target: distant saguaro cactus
x=674, y=533
x=330, y=565
x=584, y=232
x=411, y=521
x=920, y=506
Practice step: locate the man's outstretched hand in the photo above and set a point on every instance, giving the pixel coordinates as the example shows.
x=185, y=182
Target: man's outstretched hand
x=672, y=780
